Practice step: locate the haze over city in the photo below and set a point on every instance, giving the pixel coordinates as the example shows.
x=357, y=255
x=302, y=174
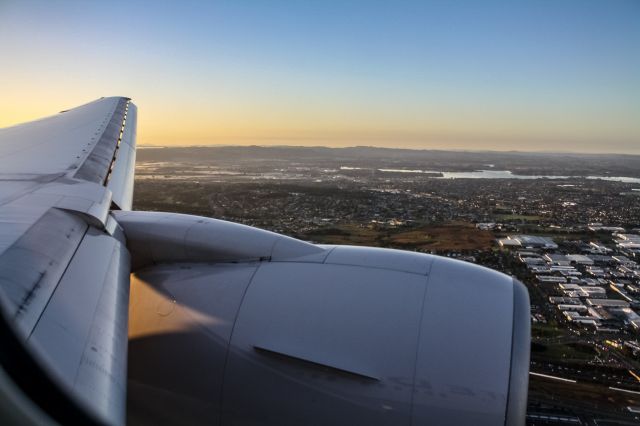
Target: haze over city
x=534, y=76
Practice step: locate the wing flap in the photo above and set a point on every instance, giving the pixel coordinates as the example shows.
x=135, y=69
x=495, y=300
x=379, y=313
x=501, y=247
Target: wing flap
x=82, y=333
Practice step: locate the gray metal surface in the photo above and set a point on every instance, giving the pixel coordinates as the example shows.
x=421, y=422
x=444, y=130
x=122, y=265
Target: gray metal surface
x=154, y=237
x=181, y=321
x=339, y=335
x=520, y=353
x=64, y=270
x=356, y=327
x=82, y=332
x=396, y=260
x=96, y=167
x=464, y=354
x=57, y=145
x=121, y=180
x=32, y=267
x=38, y=161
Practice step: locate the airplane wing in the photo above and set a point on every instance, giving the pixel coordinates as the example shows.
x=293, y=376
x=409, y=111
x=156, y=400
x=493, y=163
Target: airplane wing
x=64, y=267
x=109, y=315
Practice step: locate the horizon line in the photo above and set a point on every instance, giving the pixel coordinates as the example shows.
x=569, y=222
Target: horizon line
x=214, y=145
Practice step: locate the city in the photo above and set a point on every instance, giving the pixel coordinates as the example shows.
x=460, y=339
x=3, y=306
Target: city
x=572, y=237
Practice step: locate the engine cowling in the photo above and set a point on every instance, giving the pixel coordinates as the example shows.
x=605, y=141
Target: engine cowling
x=234, y=325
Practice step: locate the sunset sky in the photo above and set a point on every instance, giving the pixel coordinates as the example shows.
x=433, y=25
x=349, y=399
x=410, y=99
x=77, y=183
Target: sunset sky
x=539, y=75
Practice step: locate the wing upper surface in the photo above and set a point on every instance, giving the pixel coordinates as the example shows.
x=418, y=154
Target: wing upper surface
x=83, y=143
x=57, y=144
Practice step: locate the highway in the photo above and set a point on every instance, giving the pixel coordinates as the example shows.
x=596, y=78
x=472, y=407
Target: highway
x=554, y=399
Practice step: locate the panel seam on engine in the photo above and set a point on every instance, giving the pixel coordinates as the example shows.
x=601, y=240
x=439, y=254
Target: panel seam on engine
x=233, y=327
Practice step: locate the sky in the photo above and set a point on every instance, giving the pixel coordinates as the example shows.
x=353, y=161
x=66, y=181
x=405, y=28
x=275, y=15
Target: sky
x=537, y=75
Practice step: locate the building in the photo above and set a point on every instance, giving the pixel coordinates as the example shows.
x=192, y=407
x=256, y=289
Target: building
x=580, y=259
x=508, y=242
x=564, y=300
x=527, y=241
x=569, y=287
x=577, y=308
x=601, y=259
x=530, y=261
x=599, y=248
x=489, y=226
x=557, y=259
x=595, y=272
x=536, y=242
x=608, y=303
x=624, y=260
x=595, y=291
x=597, y=227
x=550, y=279
x=570, y=273
x=539, y=269
x=580, y=319
x=628, y=316
x=628, y=238
x=590, y=281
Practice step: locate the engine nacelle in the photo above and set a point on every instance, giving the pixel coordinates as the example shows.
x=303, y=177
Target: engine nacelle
x=234, y=325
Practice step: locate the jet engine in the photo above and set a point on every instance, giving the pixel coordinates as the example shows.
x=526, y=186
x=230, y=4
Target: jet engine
x=234, y=325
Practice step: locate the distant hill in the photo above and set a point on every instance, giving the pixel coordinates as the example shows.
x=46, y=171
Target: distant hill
x=360, y=156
